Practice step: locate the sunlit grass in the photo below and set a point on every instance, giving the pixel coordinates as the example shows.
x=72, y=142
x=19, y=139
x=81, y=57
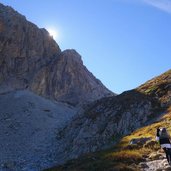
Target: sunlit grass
x=123, y=156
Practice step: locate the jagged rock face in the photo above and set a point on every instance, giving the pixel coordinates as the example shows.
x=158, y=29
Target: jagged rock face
x=23, y=47
x=66, y=79
x=107, y=120
x=104, y=122
x=30, y=58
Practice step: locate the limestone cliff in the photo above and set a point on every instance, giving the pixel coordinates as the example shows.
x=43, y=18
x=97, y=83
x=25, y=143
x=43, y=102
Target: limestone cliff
x=24, y=49
x=68, y=80
x=30, y=58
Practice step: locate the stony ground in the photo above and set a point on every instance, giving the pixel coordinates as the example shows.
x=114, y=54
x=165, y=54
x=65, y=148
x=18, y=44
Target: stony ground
x=159, y=164
x=155, y=165
x=28, y=125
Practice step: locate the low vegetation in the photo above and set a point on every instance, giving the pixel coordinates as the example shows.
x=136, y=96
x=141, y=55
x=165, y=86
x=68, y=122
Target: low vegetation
x=127, y=155
x=124, y=156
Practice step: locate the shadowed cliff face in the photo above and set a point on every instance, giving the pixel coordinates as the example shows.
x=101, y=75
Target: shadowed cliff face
x=30, y=58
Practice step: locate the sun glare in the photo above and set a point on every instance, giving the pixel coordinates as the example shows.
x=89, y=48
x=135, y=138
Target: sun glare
x=53, y=33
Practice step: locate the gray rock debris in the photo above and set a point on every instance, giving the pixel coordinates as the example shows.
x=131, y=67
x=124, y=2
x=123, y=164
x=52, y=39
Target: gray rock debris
x=28, y=126
x=155, y=165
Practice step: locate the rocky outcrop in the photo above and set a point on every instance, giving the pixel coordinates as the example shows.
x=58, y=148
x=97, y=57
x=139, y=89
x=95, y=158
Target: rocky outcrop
x=105, y=121
x=24, y=48
x=30, y=58
x=66, y=79
x=154, y=165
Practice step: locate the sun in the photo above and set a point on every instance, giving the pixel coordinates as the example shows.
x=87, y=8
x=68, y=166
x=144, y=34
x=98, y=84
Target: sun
x=53, y=32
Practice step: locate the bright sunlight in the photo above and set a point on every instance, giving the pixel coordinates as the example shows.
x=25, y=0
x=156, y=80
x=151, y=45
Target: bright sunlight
x=53, y=32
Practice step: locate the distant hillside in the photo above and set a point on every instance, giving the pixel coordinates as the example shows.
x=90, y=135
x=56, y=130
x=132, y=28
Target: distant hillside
x=31, y=59
x=106, y=121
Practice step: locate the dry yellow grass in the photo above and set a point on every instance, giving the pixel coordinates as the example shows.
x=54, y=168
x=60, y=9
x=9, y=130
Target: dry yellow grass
x=123, y=155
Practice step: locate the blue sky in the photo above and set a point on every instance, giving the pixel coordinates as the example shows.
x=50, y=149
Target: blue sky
x=122, y=42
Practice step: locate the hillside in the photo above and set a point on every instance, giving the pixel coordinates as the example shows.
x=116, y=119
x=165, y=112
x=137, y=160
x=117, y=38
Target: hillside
x=144, y=155
x=28, y=130
x=103, y=125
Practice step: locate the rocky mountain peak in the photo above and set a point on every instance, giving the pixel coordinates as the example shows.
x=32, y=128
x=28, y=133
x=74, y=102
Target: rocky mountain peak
x=22, y=38
x=72, y=55
x=30, y=58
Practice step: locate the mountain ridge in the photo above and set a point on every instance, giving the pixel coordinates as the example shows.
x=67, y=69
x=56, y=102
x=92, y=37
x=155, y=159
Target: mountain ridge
x=130, y=148
x=29, y=57
x=104, y=122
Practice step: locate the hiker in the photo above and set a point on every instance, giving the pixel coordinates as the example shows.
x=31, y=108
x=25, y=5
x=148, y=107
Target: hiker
x=164, y=139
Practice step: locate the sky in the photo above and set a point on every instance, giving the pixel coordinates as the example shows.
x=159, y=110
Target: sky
x=123, y=43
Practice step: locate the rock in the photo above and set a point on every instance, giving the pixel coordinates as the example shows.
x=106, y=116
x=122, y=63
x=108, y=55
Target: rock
x=31, y=59
x=155, y=165
x=104, y=122
x=9, y=165
x=23, y=46
x=166, y=165
x=67, y=80
x=168, y=168
x=154, y=156
x=140, y=140
x=161, y=157
x=152, y=144
x=143, y=165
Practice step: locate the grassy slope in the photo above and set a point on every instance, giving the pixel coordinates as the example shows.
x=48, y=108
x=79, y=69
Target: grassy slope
x=125, y=156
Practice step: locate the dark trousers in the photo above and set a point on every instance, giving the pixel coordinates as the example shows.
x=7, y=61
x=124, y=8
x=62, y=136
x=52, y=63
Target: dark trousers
x=168, y=154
